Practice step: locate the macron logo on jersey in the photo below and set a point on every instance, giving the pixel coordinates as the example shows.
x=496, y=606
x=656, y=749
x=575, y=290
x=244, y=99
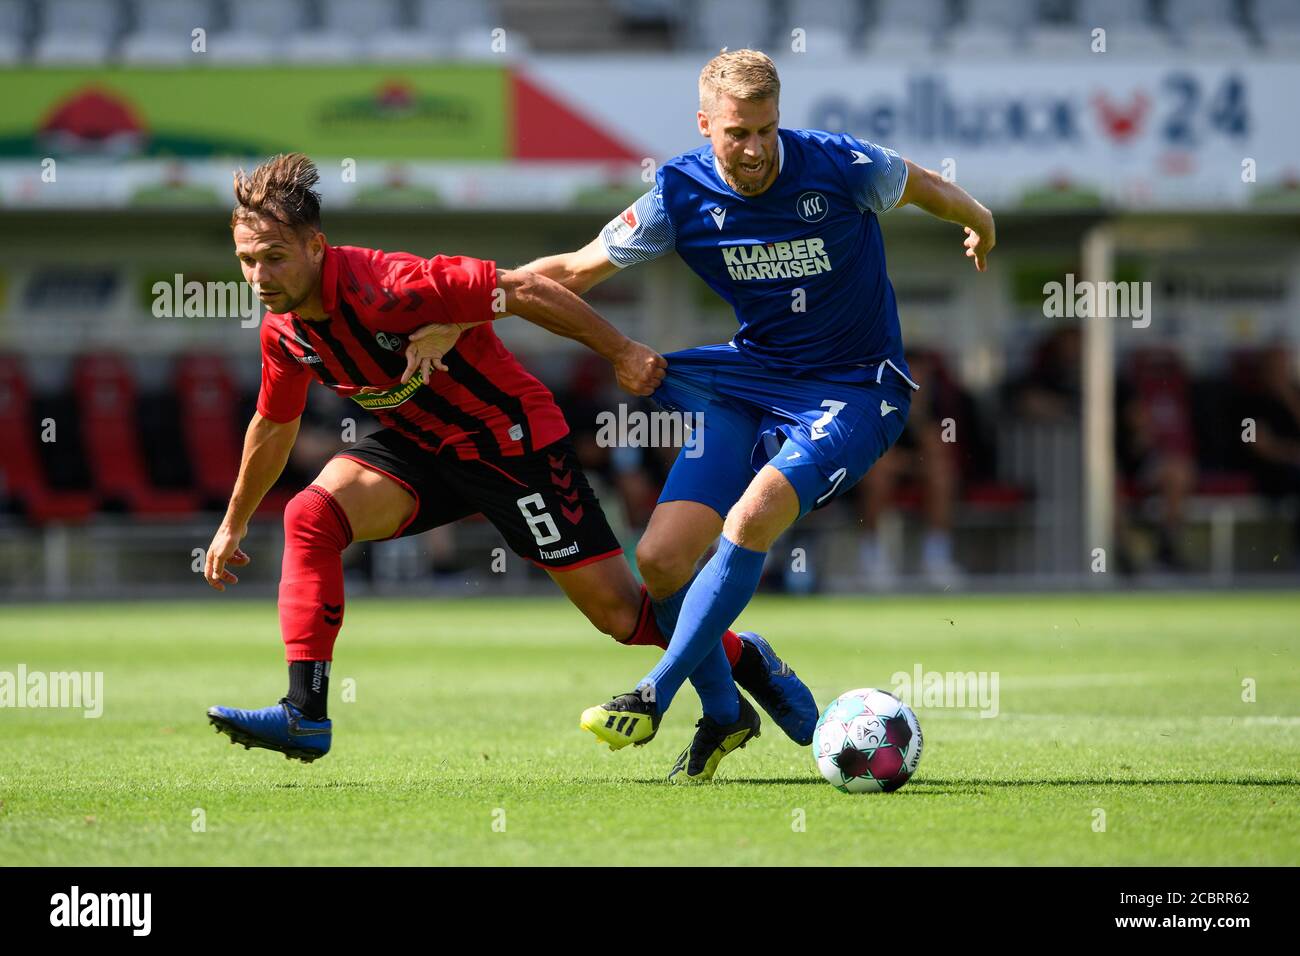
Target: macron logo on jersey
x=859, y=157
x=776, y=260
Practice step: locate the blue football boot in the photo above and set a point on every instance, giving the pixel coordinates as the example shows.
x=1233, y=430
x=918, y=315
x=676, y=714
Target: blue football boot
x=280, y=727
x=771, y=682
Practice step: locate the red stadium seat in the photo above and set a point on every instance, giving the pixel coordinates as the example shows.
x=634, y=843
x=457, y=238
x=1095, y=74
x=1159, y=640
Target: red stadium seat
x=207, y=398
x=1226, y=484
x=993, y=495
x=106, y=400
x=22, y=474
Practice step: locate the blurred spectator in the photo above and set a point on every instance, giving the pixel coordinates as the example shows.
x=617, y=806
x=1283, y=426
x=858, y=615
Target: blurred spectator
x=920, y=457
x=635, y=474
x=1156, y=449
x=321, y=434
x=1050, y=390
x=1274, y=456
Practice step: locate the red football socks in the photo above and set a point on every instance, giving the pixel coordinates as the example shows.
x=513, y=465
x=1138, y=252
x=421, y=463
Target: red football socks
x=647, y=632
x=316, y=531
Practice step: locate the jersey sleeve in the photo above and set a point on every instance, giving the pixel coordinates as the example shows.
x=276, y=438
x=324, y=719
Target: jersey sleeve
x=283, y=393
x=876, y=175
x=442, y=289
x=641, y=232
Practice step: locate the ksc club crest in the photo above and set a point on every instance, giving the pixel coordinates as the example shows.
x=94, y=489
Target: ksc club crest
x=811, y=207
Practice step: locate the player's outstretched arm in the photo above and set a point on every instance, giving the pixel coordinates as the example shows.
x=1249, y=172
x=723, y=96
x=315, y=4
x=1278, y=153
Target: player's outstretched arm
x=927, y=190
x=266, y=451
x=545, y=302
x=576, y=271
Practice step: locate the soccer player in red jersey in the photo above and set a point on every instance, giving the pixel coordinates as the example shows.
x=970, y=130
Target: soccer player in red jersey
x=477, y=435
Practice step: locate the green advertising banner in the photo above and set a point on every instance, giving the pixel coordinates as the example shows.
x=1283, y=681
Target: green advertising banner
x=440, y=112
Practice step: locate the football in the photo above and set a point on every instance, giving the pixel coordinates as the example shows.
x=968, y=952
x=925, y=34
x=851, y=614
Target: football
x=867, y=741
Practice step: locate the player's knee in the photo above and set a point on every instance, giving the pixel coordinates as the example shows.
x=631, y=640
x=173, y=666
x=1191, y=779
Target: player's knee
x=664, y=569
x=313, y=516
x=749, y=526
x=739, y=528
x=615, y=619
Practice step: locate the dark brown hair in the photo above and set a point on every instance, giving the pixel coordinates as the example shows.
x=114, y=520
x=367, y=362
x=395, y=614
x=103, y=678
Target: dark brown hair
x=279, y=189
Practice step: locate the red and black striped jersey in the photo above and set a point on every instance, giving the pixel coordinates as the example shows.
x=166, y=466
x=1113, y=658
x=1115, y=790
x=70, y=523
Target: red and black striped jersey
x=485, y=406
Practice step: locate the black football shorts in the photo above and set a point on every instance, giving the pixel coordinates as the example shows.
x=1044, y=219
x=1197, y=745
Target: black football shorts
x=540, y=502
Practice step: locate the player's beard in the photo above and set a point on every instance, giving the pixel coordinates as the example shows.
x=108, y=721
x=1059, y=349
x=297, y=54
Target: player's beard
x=749, y=188
x=290, y=304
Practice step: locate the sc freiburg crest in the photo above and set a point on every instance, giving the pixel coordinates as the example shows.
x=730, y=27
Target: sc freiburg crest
x=391, y=342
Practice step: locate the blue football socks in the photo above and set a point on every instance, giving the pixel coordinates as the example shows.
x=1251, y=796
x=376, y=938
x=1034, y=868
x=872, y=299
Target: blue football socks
x=712, y=601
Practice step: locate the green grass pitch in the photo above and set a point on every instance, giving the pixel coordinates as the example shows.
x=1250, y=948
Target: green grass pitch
x=1122, y=738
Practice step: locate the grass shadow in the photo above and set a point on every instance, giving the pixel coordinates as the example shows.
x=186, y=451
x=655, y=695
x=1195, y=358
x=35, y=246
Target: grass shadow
x=1110, y=782
x=937, y=785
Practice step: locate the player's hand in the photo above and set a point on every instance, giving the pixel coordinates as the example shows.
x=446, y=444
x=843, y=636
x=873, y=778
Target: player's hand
x=224, y=550
x=428, y=345
x=979, y=243
x=639, y=368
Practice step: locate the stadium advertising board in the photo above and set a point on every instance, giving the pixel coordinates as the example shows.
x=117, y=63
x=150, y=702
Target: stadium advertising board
x=1129, y=135
x=1202, y=135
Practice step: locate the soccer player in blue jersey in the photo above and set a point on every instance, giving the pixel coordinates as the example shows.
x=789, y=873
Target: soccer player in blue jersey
x=811, y=390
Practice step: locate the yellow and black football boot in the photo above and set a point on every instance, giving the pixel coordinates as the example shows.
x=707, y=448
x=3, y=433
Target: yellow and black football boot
x=712, y=742
x=627, y=719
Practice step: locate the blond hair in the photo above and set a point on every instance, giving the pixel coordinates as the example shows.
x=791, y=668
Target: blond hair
x=741, y=74
x=279, y=189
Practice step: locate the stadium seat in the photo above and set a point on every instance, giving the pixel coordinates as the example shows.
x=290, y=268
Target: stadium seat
x=638, y=12
x=1277, y=24
x=1056, y=31
x=1208, y=27
x=24, y=484
x=257, y=29
x=903, y=29
x=346, y=29
x=1131, y=32
x=164, y=30
x=360, y=19
x=713, y=24
x=321, y=46
x=1057, y=41
x=207, y=399
x=991, y=28
x=832, y=27
x=106, y=397
x=77, y=31
x=15, y=25
x=440, y=28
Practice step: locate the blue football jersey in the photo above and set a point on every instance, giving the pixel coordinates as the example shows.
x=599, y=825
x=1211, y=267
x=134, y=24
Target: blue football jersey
x=802, y=264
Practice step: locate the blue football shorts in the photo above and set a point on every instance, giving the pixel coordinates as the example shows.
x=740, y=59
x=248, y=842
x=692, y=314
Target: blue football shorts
x=821, y=435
